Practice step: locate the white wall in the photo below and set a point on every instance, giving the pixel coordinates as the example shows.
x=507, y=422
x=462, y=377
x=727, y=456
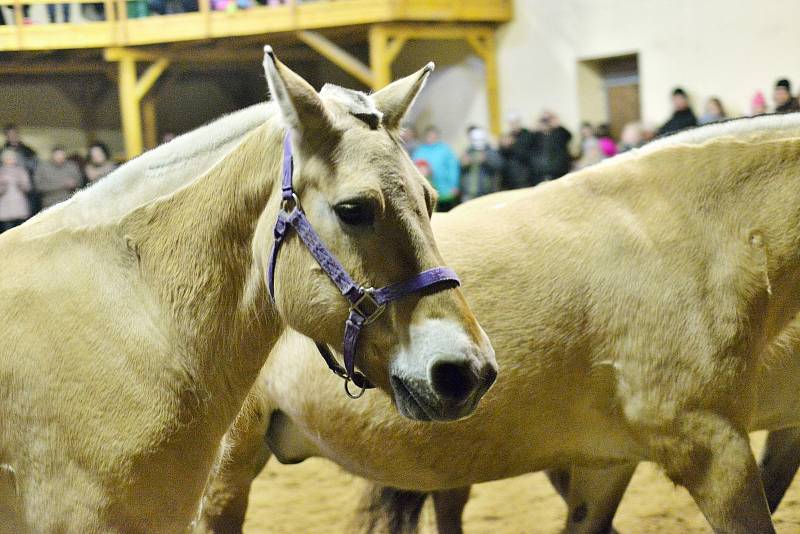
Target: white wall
x=725, y=48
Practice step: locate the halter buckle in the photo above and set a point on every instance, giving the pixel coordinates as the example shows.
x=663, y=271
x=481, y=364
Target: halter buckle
x=372, y=310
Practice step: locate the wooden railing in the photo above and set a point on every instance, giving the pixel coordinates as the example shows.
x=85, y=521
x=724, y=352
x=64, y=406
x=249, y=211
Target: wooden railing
x=119, y=30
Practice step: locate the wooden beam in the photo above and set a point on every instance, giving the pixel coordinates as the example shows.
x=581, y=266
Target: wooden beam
x=186, y=56
x=149, y=77
x=118, y=54
x=338, y=56
x=394, y=47
x=432, y=31
x=49, y=68
x=378, y=58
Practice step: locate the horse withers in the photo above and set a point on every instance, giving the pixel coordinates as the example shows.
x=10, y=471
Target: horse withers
x=136, y=316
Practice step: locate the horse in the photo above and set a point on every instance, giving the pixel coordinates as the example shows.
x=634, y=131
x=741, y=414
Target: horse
x=596, y=493
x=630, y=305
x=137, y=315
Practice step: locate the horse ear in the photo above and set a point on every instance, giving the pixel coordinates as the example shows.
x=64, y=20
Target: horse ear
x=300, y=105
x=396, y=99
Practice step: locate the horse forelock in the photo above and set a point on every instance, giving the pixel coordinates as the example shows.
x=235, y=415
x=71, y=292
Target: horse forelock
x=356, y=103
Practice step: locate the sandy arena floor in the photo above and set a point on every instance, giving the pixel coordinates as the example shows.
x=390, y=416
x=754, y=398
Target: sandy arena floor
x=317, y=497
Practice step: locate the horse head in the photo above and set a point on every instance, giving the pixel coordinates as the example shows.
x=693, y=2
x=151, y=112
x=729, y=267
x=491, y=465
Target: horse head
x=354, y=185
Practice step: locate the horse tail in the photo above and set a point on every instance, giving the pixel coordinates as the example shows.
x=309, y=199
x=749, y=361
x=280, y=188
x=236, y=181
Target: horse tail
x=392, y=510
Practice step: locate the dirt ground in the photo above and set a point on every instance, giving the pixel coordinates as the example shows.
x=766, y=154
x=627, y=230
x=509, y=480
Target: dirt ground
x=318, y=497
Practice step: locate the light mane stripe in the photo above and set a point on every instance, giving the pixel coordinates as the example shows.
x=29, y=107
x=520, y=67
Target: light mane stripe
x=156, y=173
x=763, y=127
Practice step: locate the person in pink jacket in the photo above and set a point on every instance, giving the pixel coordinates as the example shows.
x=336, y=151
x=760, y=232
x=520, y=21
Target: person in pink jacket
x=14, y=184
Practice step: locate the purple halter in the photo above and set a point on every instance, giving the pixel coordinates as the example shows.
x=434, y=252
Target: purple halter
x=366, y=303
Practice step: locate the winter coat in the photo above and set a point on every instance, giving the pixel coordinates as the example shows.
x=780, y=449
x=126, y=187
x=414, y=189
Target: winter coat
x=56, y=182
x=14, y=184
x=481, y=175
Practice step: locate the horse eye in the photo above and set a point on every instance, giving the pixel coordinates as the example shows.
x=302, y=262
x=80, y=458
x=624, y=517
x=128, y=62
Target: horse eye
x=355, y=213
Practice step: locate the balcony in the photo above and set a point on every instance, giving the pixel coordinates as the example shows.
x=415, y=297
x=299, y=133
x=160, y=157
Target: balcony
x=120, y=31
x=146, y=47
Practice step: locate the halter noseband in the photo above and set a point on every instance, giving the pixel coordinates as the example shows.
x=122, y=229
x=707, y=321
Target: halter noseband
x=366, y=303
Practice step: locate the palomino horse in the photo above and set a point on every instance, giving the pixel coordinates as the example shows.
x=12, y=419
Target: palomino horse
x=133, y=332
x=595, y=493
x=629, y=304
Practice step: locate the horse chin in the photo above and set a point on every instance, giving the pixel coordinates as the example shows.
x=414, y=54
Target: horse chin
x=406, y=403
x=413, y=404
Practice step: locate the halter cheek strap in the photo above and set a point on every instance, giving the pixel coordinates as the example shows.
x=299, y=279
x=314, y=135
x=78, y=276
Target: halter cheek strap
x=366, y=304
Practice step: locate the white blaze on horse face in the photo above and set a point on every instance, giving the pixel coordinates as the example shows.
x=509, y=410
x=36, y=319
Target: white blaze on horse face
x=441, y=373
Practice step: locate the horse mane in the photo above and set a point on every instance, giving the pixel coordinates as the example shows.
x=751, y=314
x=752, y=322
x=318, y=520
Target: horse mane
x=156, y=173
x=760, y=128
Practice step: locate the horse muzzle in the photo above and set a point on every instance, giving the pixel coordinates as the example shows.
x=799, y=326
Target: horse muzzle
x=450, y=389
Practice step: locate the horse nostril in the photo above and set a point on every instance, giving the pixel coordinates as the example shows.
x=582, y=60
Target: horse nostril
x=453, y=381
x=489, y=376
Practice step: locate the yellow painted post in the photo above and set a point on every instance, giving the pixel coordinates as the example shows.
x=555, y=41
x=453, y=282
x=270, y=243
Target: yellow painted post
x=205, y=9
x=129, y=107
x=122, y=21
x=379, y=62
x=485, y=46
x=493, y=84
x=111, y=18
x=150, y=122
x=18, y=21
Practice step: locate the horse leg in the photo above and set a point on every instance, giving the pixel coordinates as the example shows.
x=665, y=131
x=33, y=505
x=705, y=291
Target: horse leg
x=449, y=506
x=228, y=491
x=779, y=463
x=593, y=498
x=559, y=478
x=243, y=455
x=9, y=505
x=713, y=460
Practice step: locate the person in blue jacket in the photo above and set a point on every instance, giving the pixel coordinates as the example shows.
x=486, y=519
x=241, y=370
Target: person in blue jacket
x=444, y=165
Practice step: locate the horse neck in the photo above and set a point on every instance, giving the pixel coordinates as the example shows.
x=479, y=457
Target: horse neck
x=196, y=254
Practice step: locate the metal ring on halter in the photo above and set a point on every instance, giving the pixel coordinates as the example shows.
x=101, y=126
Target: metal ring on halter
x=347, y=381
x=288, y=204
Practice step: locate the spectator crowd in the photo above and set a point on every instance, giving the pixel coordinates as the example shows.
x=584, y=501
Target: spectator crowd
x=143, y=8
x=525, y=157
x=29, y=183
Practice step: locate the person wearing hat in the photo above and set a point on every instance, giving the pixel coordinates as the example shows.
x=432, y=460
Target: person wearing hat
x=782, y=95
x=683, y=117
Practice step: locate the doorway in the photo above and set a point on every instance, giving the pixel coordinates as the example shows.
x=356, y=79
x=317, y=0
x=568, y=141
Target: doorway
x=609, y=91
